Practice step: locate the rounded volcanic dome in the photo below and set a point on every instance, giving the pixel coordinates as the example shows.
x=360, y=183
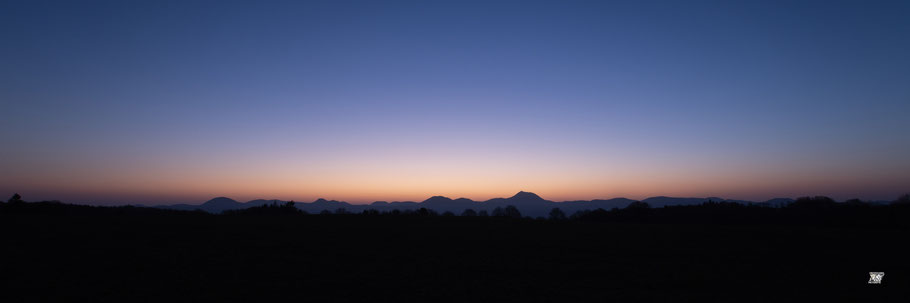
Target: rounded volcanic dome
x=526, y=195
x=220, y=200
x=437, y=199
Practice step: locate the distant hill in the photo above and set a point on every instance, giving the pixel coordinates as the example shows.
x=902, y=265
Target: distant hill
x=662, y=201
x=323, y=204
x=443, y=204
x=530, y=204
x=778, y=202
x=215, y=205
x=220, y=204
x=570, y=207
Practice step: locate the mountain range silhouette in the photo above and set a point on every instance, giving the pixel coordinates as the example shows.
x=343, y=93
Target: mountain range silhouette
x=530, y=204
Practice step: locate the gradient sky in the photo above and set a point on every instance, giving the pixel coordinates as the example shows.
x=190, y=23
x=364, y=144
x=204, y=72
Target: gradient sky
x=111, y=102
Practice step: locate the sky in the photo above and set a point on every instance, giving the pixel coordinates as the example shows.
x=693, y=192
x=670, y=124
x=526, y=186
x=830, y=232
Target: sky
x=158, y=102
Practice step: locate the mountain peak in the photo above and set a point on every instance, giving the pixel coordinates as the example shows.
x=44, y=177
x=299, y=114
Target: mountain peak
x=523, y=195
x=220, y=200
x=437, y=199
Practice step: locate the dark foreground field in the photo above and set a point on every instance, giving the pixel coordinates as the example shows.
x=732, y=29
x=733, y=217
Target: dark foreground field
x=167, y=256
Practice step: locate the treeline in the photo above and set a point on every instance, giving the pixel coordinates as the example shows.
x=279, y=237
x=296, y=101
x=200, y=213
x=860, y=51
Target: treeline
x=817, y=210
x=804, y=210
x=288, y=208
x=15, y=205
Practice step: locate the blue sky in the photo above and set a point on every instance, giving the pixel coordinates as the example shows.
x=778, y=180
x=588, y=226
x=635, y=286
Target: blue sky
x=162, y=101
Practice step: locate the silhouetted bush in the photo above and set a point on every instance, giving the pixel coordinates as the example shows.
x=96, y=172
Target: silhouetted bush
x=640, y=205
x=268, y=209
x=905, y=200
x=594, y=215
x=557, y=214
x=510, y=212
x=579, y=214
x=856, y=203
x=813, y=202
x=426, y=212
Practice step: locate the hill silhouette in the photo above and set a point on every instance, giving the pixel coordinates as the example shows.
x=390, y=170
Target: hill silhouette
x=528, y=203
x=220, y=204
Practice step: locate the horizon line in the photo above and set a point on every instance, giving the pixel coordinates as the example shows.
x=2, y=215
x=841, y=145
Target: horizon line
x=172, y=201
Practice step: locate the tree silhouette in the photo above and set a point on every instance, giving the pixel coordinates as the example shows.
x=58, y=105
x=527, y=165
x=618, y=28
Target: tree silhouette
x=817, y=202
x=854, y=202
x=16, y=198
x=469, y=213
x=641, y=205
x=273, y=208
x=579, y=214
x=483, y=213
x=557, y=214
x=423, y=211
x=904, y=200
x=512, y=212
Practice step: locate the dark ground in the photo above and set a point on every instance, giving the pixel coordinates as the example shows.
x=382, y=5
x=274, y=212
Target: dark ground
x=173, y=256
